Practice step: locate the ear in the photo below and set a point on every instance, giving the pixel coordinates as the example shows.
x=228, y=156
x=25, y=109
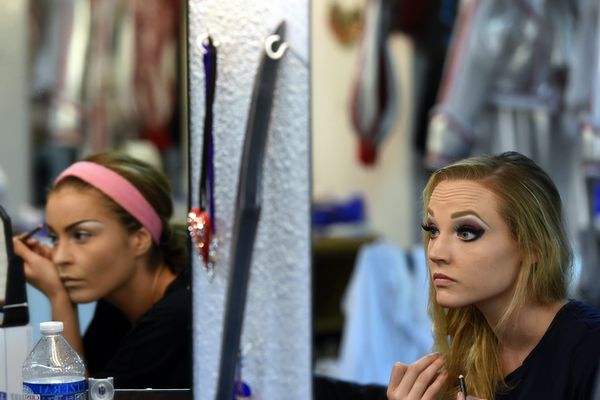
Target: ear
x=141, y=241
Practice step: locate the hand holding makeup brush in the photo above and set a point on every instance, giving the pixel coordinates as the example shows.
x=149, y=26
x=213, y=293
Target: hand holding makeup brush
x=422, y=379
x=40, y=271
x=462, y=390
x=28, y=239
x=25, y=236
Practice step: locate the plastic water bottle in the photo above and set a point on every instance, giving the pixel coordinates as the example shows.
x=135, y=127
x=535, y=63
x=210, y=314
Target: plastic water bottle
x=53, y=369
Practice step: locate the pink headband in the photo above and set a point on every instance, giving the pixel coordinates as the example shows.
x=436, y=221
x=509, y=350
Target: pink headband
x=120, y=190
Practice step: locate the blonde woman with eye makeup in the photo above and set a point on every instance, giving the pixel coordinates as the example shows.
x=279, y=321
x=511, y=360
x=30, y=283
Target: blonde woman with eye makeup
x=500, y=262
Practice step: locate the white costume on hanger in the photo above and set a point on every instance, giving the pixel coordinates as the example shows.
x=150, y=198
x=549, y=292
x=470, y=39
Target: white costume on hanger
x=385, y=307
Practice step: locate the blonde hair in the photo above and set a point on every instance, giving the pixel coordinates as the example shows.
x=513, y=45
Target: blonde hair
x=530, y=205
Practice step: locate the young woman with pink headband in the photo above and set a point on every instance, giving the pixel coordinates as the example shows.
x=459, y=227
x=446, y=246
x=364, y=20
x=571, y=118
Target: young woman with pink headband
x=108, y=221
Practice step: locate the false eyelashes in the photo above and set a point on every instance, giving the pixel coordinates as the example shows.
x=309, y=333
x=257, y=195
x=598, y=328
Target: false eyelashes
x=465, y=232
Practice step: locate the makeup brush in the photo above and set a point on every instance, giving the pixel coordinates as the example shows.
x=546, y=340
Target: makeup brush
x=30, y=233
x=462, y=385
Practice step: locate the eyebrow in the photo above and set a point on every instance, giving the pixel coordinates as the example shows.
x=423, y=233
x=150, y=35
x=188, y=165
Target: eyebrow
x=75, y=224
x=467, y=213
x=460, y=214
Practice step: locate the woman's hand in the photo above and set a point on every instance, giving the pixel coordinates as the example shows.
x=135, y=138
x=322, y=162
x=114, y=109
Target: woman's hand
x=40, y=271
x=420, y=380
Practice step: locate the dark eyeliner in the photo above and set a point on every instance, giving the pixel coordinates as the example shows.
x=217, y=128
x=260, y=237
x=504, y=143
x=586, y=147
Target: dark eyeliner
x=431, y=229
x=476, y=232
x=427, y=228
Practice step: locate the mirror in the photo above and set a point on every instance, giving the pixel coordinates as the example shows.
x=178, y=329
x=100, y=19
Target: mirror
x=106, y=75
x=91, y=76
x=13, y=298
x=4, y=257
x=153, y=394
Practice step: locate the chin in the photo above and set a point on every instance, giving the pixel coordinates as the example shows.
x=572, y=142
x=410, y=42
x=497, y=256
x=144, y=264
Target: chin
x=81, y=297
x=446, y=301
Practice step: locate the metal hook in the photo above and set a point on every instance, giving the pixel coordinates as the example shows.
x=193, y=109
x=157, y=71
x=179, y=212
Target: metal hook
x=275, y=54
x=202, y=40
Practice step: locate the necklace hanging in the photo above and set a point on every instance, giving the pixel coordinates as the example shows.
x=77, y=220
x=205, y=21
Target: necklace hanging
x=201, y=219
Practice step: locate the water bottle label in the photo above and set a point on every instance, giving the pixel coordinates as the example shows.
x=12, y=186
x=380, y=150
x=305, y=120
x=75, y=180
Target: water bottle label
x=55, y=391
x=11, y=396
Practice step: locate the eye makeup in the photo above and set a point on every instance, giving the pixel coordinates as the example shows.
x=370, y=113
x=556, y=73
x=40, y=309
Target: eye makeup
x=427, y=227
x=469, y=232
x=466, y=231
x=431, y=229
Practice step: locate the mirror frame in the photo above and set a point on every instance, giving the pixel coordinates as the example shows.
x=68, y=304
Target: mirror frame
x=15, y=309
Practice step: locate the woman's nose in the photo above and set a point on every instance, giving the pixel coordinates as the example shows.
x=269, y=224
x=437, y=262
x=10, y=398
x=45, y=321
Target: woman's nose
x=60, y=253
x=438, y=250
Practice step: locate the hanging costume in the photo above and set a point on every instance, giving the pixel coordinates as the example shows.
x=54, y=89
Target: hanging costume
x=374, y=98
x=583, y=101
x=385, y=308
x=428, y=24
x=107, y=71
x=506, y=66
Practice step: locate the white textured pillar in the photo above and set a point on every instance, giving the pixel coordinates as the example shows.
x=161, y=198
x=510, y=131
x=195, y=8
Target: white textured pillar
x=276, y=333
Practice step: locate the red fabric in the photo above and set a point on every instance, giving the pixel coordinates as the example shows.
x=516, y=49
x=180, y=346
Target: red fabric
x=157, y=23
x=367, y=153
x=412, y=17
x=159, y=135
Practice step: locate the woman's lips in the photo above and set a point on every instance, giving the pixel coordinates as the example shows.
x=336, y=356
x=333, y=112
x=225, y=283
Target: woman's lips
x=442, y=279
x=71, y=282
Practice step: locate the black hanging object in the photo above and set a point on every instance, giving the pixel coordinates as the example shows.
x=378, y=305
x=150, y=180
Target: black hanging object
x=248, y=206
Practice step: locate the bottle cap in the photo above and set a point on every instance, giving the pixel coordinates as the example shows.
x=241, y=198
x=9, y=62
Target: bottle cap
x=101, y=389
x=51, y=327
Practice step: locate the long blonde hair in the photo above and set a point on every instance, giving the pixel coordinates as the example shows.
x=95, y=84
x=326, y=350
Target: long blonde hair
x=530, y=204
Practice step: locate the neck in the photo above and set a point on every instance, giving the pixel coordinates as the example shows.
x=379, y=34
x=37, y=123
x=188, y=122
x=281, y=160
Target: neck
x=523, y=331
x=143, y=292
x=162, y=279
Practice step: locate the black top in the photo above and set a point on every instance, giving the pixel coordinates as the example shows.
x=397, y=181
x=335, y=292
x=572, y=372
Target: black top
x=326, y=388
x=156, y=352
x=564, y=363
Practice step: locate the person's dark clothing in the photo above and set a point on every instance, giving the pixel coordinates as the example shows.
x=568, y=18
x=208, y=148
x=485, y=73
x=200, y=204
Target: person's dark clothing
x=156, y=352
x=103, y=336
x=564, y=363
x=326, y=388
